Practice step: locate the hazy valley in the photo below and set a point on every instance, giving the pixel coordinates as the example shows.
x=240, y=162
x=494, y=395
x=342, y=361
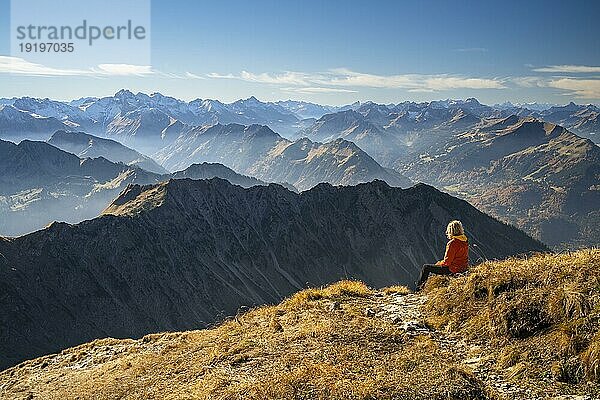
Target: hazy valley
x=526, y=166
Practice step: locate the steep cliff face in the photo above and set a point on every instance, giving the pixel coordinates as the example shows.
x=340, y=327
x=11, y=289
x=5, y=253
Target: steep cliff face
x=17, y=125
x=215, y=170
x=182, y=254
x=41, y=183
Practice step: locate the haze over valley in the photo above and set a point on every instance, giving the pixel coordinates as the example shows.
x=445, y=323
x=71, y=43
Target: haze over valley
x=533, y=166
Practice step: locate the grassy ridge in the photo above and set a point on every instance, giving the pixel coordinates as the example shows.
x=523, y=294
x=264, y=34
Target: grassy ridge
x=536, y=318
x=539, y=315
x=318, y=344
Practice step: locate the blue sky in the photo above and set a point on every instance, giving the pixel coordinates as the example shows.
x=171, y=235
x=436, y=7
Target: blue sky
x=337, y=52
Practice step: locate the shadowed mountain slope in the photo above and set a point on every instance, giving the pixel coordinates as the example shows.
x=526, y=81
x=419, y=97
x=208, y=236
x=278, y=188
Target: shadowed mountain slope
x=40, y=183
x=83, y=145
x=258, y=151
x=181, y=254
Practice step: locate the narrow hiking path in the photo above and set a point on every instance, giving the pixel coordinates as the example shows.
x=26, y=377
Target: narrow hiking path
x=321, y=327
x=406, y=311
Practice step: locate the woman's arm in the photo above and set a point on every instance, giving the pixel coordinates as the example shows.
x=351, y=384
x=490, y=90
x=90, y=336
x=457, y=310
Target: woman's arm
x=450, y=254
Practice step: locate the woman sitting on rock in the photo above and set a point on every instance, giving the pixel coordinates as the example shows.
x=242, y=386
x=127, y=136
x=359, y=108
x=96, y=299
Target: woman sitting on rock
x=456, y=258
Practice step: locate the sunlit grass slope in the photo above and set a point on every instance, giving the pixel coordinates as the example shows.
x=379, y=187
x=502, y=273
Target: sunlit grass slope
x=318, y=344
x=536, y=318
x=540, y=315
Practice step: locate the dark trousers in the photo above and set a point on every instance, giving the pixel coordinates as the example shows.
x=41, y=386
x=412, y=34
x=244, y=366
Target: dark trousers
x=431, y=269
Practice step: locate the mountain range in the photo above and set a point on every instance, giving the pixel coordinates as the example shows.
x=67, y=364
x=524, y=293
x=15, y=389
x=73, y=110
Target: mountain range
x=303, y=144
x=182, y=253
x=258, y=151
x=16, y=124
x=138, y=120
x=40, y=183
x=534, y=174
x=537, y=175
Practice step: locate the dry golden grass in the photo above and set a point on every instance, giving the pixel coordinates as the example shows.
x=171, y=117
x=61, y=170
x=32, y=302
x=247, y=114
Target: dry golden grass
x=396, y=289
x=539, y=315
x=339, y=289
x=302, y=349
x=535, y=318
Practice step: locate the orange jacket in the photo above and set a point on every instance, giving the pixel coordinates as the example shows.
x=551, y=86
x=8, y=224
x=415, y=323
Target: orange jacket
x=457, y=254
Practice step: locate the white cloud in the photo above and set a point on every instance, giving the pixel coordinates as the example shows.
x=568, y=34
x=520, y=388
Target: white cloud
x=316, y=89
x=285, y=78
x=582, y=88
x=193, y=76
x=588, y=88
x=123, y=69
x=415, y=82
x=172, y=75
x=472, y=50
x=343, y=77
x=569, y=69
x=420, y=90
x=16, y=65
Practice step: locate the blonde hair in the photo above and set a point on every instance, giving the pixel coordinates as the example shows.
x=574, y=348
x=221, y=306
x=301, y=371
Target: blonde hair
x=454, y=228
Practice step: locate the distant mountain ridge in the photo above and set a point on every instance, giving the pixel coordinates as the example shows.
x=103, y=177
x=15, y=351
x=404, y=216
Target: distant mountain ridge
x=535, y=174
x=258, y=151
x=182, y=253
x=141, y=118
x=84, y=145
x=40, y=183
